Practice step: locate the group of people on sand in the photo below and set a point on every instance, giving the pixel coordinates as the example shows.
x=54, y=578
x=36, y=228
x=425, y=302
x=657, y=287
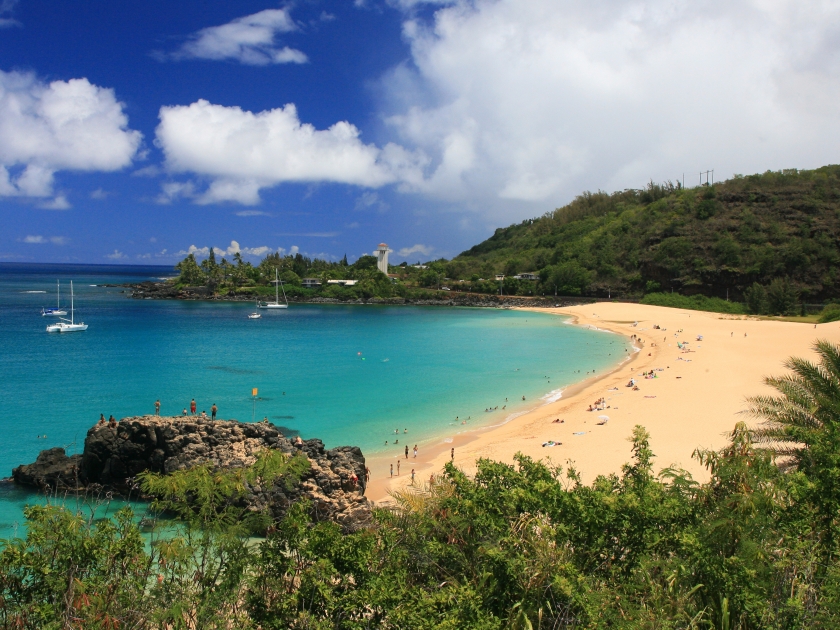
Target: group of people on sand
x=598, y=405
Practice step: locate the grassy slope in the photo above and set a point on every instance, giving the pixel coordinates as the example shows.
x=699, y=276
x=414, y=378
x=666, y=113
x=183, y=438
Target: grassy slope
x=695, y=241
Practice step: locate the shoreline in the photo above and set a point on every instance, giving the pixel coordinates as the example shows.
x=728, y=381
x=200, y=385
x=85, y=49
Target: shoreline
x=379, y=488
x=693, y=402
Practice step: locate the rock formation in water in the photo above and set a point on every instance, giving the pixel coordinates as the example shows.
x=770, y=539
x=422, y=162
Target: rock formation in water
x=334, y=484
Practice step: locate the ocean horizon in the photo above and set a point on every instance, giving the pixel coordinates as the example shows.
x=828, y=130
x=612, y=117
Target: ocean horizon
x=346, y=374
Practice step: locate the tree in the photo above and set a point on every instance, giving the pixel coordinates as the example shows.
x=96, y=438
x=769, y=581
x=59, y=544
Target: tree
x=568, y=278
x=191, y=273
x=802, y=427
x=756, y=299
x=782, y=297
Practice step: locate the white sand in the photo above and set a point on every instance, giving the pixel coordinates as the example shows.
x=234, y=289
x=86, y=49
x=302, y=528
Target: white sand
x=694, y=401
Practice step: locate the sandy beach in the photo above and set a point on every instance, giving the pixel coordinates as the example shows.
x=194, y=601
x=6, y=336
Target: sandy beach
x=693, y=402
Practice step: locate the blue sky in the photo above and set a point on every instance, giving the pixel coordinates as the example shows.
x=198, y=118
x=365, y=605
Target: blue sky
x=133, y=132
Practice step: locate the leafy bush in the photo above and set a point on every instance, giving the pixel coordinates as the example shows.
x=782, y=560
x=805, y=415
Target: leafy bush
x=831, y=313
x=694, y=303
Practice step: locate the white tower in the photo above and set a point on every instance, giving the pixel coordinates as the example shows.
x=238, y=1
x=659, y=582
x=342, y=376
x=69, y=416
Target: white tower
x=382, y=258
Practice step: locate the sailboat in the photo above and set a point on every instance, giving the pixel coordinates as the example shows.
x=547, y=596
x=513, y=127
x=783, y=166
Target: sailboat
x=57, y=311
x=64, y=325
x=276, y=302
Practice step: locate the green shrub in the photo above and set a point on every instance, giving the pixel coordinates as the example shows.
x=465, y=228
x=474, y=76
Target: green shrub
x=694, y=303
x=831, y=313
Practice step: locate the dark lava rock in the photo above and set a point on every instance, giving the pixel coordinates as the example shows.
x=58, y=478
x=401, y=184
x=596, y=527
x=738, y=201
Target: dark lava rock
x=334, y=485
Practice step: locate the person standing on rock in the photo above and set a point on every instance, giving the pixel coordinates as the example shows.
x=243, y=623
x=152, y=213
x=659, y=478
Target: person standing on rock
x=157, y=407
x=192, y=406
x=213, y=411
x=102, y=421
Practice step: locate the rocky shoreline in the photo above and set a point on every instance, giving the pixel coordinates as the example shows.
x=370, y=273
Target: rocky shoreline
x=334, y=484
x=167, y=291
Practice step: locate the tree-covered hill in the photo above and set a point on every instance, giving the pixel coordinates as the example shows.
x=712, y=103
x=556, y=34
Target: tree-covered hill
x=719, y=240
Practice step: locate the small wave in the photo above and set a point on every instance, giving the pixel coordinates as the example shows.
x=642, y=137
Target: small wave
x=447, y=440
x=33, y=291
x=553, y=396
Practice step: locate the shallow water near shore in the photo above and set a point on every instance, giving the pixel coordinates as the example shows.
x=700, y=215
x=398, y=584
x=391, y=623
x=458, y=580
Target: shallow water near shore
x=344, y=374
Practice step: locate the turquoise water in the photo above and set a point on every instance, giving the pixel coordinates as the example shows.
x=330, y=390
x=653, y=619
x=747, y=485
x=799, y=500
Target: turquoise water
x=344, y=374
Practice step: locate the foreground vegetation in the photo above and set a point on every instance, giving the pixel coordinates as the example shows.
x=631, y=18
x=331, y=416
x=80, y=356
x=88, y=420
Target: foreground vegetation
x=524, y=546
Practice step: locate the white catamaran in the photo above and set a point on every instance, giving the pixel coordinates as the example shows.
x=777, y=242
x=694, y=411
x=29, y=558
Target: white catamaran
x=57, y=311
x=64, y=325
x=276, y=302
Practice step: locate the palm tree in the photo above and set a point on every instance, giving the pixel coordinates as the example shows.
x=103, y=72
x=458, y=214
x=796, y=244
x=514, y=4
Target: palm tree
x=802, y=427
x=798, y=423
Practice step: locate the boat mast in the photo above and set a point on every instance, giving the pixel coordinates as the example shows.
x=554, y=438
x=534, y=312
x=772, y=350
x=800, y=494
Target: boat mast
x=58, y=299
x=71, y=302
x=276, y=284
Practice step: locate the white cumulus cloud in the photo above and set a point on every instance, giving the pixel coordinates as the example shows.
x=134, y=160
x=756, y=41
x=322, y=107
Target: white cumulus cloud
x=241, y=152
x=116, y=255
x=405, y=252
x=230, y=250
x=525, y=103
x=249, y=40
x=38, y=239
x=64, y=125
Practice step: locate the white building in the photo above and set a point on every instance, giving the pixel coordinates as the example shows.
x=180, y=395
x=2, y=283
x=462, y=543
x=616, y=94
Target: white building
x=382, y=258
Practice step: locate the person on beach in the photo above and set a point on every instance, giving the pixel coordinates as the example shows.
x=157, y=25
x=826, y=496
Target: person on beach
x=102, y=421
x=367, y=474
x=452, y=454
x=415, y=451
x=406, y=451
x=398, y=468
x=192, y=406
x=412, y=476
x=157, y=407
x=392, y=470
x=213, y=411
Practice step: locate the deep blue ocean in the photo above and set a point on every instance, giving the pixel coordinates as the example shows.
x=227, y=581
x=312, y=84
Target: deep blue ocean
x=345, y=374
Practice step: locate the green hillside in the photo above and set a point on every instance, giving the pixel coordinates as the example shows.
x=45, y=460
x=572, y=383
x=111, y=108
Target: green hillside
x=774, y=234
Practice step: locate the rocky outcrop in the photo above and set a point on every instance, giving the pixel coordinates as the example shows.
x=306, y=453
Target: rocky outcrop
x=334, y=484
